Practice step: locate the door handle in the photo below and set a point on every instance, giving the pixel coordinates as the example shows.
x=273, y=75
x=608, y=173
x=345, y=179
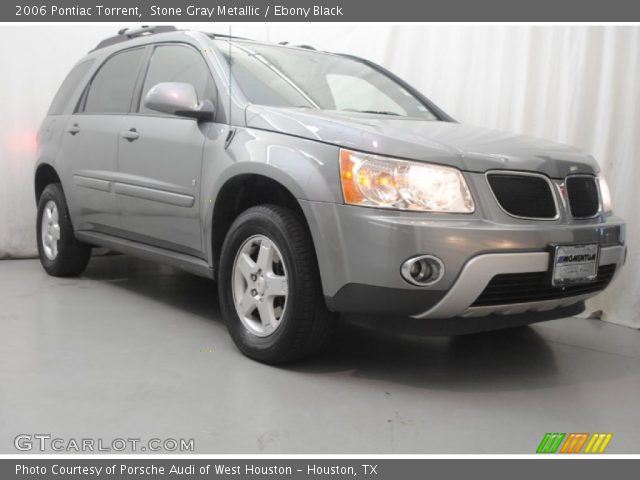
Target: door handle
x=74, y=129
x=131, y=134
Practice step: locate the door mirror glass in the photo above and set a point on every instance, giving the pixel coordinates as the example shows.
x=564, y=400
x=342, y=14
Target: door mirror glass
x=177, y=98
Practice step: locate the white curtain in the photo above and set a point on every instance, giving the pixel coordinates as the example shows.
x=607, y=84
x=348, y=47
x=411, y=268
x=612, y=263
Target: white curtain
x=572, y=84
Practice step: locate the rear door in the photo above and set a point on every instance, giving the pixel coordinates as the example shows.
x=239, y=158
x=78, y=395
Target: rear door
x=90, y=144
x=160, y=158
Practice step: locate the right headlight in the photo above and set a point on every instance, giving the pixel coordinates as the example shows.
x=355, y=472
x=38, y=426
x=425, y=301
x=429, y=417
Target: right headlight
x=605, y=194
x=376, y=181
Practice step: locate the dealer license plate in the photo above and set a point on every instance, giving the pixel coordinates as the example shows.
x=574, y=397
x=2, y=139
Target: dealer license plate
x=575, y=264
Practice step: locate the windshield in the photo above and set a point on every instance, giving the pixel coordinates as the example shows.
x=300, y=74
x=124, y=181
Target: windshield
x=289, y=77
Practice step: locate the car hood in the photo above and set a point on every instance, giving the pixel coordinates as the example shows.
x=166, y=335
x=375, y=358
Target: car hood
x=466, y=147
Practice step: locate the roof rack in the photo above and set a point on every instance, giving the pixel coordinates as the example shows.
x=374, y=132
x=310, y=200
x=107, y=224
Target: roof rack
x=126, y=34
x=232, y=37
x=286, y=43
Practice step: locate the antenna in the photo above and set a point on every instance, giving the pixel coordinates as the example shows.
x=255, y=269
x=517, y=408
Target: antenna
x=230, y=75
x=232, y=131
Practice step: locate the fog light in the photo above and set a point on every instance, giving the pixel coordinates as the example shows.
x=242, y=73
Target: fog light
x=422, y=270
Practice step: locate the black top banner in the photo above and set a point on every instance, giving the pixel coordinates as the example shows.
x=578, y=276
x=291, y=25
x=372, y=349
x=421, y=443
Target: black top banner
x=162, y=11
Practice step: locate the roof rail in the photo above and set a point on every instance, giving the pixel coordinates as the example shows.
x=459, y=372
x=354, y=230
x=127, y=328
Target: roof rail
x=308, y=47
x=127, y=34
x=222, y=35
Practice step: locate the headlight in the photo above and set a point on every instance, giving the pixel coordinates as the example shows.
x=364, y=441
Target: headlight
x=605, y=194
x=377, y=181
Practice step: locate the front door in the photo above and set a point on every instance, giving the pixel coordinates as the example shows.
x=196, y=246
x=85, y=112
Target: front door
x=160, y=158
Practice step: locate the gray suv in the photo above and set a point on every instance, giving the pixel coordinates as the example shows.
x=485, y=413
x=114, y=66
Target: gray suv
x=310, y=184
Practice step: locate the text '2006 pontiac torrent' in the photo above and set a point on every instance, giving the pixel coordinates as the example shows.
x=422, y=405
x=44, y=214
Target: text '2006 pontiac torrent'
x=310, y=184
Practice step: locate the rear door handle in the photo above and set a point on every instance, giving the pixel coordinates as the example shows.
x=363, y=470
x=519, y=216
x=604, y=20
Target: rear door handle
x=131, y=134
x=74, y=129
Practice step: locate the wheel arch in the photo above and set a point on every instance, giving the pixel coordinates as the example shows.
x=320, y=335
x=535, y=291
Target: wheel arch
x=45, y=175
x=243, y=191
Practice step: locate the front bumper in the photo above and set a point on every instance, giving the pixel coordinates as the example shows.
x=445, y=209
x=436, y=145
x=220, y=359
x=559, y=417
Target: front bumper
x=478, y=272
x=360, y=251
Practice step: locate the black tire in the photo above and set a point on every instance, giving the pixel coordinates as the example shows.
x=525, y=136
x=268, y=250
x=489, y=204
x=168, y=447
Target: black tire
x=73, y=256
x=306, y=323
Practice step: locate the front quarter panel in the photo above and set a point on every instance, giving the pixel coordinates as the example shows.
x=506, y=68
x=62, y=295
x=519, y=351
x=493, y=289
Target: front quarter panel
x=309, y=170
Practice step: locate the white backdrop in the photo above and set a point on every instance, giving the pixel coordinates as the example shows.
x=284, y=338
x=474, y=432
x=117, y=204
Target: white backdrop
x=573, y=84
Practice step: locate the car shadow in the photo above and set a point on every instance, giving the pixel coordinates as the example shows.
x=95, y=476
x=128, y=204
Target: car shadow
x=173, y=287
x=514, y=358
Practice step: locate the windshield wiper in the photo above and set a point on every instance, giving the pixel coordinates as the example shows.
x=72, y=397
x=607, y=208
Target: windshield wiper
x=376, y=112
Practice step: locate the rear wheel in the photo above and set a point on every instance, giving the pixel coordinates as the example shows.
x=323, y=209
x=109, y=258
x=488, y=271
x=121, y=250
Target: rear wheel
x=269, y=286
x=60, y=253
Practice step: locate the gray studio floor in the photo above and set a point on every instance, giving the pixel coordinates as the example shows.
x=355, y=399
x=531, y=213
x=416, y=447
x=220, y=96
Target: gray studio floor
x=132, y=349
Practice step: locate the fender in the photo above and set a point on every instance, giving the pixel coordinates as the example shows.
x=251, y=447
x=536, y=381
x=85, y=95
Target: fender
x=307, y=169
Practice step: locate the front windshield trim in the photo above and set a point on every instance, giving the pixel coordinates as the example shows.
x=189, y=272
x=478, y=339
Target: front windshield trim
x=433, y=108
x=273, y=68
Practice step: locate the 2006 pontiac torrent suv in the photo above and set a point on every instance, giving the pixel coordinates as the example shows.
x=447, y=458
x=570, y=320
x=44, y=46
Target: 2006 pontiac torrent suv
x=310, y=184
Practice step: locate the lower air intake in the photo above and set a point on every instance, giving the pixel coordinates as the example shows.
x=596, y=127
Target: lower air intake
x=509, y=288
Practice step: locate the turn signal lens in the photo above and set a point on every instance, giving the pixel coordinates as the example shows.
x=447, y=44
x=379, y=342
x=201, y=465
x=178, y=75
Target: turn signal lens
x=376, y=181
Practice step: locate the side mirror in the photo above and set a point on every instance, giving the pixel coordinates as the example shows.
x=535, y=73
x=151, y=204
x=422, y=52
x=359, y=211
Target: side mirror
x=179, y=99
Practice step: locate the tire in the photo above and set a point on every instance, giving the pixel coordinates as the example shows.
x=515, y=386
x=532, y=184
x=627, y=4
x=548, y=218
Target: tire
x=70, y=256
x=305, y=324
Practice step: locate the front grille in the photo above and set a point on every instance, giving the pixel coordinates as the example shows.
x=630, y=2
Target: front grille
x=510, y=288
x=583, y=196
x=527, y=196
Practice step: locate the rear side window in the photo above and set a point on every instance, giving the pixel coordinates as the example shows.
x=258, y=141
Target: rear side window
x=112, y=87
x=69, y=86
x=176, y=63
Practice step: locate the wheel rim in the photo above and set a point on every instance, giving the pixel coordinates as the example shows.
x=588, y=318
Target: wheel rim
x=260, y=285
x=50, y=230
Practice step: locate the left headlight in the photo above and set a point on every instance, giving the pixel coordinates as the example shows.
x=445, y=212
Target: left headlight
x=376, y=181
x=605, y=194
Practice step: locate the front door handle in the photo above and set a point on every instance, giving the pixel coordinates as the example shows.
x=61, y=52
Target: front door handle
x=74, y=129
x=131, y=134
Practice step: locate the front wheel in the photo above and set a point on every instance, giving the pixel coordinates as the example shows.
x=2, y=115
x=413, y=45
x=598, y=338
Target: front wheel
x=60, y=253
x=269, y=286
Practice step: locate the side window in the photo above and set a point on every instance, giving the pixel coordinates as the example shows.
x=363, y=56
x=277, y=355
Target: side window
x=69, y=86
x=177, y=63
x=112, y=87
